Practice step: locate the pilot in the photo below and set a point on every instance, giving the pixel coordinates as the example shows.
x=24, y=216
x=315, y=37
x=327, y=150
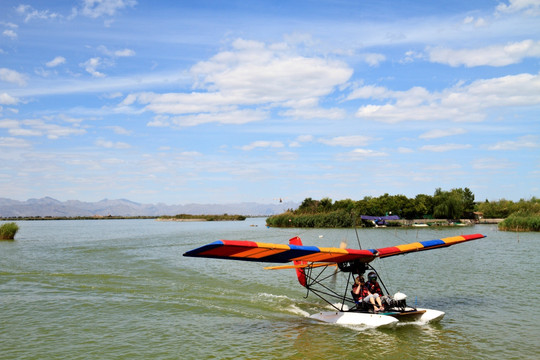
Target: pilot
x=373, y=287
x=361, y=292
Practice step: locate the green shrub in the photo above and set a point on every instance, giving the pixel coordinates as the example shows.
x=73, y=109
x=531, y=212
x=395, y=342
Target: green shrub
x=521, y=221
x=8, y=231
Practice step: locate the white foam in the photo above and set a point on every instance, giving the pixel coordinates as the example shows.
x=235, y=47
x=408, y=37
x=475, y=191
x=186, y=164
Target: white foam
x=297, y=311
x=272, y=296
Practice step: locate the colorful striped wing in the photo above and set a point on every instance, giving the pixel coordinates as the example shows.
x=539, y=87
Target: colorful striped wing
x=280, y=253
x=424, y=245
x=277, y=253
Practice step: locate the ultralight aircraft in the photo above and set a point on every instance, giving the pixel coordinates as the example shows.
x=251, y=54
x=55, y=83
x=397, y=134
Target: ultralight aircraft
x=311, y=263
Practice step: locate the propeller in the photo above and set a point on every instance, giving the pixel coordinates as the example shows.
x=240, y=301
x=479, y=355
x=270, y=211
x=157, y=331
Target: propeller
x=342, y=245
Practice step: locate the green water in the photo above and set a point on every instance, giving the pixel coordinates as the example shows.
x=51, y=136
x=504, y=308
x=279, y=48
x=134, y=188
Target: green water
x=121, y=289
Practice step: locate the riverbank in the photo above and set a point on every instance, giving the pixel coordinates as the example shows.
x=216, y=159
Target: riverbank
x=182, y=217
x=95, y=217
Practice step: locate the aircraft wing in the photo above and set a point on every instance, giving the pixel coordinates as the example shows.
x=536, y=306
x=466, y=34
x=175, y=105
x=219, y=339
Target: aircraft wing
x=424, y=245
x=280, y=253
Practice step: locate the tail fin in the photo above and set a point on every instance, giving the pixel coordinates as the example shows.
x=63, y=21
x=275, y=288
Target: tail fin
x=300, y=273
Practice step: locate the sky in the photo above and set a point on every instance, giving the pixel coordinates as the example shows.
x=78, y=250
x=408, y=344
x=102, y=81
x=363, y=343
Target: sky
x=202, y=101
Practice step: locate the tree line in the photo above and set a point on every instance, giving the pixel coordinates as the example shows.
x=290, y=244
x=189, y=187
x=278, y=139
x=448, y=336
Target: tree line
x=453, y=205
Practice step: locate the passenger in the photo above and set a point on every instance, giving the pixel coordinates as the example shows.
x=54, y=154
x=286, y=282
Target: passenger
x=373, y=287
x=361, y=292
x=356, y=289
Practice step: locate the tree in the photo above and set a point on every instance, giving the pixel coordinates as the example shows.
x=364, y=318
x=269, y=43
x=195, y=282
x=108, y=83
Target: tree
x=325, y=205
x=308, y=206
x=448, y=204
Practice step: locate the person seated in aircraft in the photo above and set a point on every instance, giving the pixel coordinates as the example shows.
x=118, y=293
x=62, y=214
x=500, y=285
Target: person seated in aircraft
x=374, y=288
x=362, y=294
x=356, y=289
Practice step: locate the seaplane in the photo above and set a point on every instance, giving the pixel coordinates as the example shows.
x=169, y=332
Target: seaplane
x=312, y=266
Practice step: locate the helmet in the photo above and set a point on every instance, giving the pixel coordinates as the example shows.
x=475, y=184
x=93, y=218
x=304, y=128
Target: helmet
x=372, y=276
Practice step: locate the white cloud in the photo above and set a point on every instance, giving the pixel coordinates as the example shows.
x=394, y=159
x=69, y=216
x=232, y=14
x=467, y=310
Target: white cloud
x=373, y=59
x=117, y=53
x=59, y=60
x=301, y=139
x=91, y=66
x=30, y=13
x=404, y=150
x=10, y=142
x=369, y=91
x=445, y=147
x=495, y=55
x=9, y=124
x=9, y=33
x=12, y=76
x=263, y=144
x=480, y=22
x=38, y=127
x=113, y=95
x=348, y=141
x=25, y=132
x=159, y=121
x=491, y=164
x=98, y=8
x=119, y=130
x=304, y=138
x=411, y=56
x=439, y=133
x=111, y=144
x=235, y=117
x=287, y=156
x=524, y=142
x=66, y=118
x=9, y=25
x=6, y=99
x=252, y=73
x=459, y=103
x=529, y=7
x=315, y=113
x=360, y=154
x=124, y=53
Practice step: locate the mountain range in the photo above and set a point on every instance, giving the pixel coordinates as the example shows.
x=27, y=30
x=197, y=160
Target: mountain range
x=48, y=206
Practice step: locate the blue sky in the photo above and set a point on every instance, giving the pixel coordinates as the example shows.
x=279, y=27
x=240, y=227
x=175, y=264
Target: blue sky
x=231, y=101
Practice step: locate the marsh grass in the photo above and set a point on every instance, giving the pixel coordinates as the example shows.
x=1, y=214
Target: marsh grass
x=8, y=231
x=521, y=221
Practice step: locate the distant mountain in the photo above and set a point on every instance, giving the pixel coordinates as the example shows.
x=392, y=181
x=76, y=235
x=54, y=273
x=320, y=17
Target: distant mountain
x=121, y=207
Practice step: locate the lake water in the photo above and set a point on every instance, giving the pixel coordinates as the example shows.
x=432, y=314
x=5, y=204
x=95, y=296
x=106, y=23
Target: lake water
x=121, y=289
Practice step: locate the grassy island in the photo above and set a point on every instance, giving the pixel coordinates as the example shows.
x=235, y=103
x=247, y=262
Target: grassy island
x=521, y=221
x=187, y=217
x=8, y=231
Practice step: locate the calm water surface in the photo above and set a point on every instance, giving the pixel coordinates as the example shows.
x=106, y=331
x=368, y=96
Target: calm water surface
x=121, y=289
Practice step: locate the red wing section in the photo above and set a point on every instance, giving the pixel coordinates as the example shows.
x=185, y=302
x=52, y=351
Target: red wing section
x=424, y=245
x=278, y=253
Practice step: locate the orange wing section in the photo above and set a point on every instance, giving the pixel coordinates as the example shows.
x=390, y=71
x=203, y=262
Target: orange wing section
x=277, y=253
